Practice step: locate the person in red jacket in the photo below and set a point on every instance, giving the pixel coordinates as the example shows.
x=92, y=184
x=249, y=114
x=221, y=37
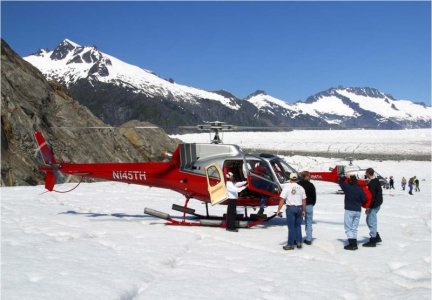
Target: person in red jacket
x=374, y=186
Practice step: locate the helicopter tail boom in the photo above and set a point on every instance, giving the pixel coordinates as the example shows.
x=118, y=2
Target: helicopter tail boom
x=331, y=176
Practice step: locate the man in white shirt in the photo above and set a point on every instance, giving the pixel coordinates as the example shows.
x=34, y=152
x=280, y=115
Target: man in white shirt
x=233, y=189
x=294, y=196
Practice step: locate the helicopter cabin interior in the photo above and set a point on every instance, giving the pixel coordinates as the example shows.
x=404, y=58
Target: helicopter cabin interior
x=196, y=158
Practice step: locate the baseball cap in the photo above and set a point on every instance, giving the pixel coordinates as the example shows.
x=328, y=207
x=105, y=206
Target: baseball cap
x=293, y=175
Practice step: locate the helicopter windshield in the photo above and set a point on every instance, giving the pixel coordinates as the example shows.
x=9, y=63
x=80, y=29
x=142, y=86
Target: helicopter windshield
x=261, y=177
x=282, y=169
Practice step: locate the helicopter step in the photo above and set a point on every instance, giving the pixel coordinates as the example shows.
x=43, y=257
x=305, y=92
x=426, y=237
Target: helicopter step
x=180, y=208
x=191, y=211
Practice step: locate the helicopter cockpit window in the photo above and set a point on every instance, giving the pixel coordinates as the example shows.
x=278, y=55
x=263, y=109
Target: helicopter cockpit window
x=214, y=176
x=282, y=169
x=261, y=169
x=262, y=179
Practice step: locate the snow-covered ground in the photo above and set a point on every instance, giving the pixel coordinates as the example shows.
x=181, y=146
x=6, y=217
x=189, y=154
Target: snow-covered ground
x=95, y=243
x=345, y=142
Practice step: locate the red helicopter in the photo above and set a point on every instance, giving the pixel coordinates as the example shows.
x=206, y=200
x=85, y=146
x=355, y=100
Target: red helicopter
x=335, y=173
x=196, y=171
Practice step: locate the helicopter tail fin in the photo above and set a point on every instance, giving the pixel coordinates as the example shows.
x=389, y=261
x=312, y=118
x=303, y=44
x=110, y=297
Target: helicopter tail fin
x=331, y=176
x=44, y=149
x=51, y=170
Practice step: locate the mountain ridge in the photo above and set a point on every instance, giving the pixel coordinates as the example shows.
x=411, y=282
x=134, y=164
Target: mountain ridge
x=91, y=74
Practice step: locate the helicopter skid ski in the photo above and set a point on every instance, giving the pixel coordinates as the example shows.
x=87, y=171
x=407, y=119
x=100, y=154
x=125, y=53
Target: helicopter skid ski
x=211, y=221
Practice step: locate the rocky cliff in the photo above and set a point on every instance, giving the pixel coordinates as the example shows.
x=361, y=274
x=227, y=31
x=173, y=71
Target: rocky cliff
x=29, y=102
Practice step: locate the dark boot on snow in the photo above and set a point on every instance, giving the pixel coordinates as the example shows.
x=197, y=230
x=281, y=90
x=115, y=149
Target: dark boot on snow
x=378, y=238
x=371, y=243
x=352, y=244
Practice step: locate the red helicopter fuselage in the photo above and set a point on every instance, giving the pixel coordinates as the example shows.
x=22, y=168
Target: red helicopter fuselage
x=177, y=174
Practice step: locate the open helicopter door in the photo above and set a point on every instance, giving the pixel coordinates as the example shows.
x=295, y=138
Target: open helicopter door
x=260, y=177
x=216, y=184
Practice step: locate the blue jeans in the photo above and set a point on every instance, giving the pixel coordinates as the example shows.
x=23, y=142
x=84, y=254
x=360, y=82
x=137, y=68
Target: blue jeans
x=351, y=221
x=263, y=201
x=410, y=188
x=308, y=222
x=294, y=221
x=372, y=221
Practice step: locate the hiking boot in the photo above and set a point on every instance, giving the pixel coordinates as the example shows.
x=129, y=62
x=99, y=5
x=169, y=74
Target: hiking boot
x=288, y=247
x=232, y=229
x=299, y=245
x=352, y=244
x=307, y=242
x=371, y=243
x=378, y=238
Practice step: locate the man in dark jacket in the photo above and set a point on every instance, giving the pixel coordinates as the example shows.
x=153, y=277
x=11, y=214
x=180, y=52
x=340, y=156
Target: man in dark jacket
x=411, y=185
x=354, y=198
x=310, y=202
x=371, y=213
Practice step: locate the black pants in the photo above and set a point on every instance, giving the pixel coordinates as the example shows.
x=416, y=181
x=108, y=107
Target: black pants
x=231, y=214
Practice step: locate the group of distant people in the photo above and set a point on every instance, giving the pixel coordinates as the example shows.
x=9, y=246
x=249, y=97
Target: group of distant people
x=300, y=198
x=411, y=182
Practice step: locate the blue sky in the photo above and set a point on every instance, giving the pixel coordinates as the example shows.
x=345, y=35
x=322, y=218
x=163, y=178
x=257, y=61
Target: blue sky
x=291, y=50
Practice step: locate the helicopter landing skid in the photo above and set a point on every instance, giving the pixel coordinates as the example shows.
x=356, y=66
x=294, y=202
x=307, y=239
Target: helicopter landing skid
x=203, y=220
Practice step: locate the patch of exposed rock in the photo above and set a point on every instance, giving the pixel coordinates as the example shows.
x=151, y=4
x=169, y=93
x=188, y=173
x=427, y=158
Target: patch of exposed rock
x=30, y=102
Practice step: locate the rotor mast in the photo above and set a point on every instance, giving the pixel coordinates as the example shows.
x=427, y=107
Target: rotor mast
x=215, y=127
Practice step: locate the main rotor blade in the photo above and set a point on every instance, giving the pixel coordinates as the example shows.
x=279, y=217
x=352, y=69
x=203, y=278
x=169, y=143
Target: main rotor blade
x=125, y=127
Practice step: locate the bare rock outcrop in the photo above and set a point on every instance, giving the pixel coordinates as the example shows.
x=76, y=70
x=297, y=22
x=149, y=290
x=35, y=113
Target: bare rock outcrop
x=29, y=102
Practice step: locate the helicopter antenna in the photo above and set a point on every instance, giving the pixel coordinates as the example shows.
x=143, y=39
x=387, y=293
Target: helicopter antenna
x=215, y=127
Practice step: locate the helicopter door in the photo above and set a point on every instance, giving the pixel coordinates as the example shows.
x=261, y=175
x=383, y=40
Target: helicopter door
x=260, y=178
x=215, y=184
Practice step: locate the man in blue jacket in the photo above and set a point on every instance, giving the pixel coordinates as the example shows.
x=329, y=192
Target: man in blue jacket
x=354, y=198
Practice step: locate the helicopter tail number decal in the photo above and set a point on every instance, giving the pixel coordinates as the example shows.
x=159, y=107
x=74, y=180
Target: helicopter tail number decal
x=129, y=175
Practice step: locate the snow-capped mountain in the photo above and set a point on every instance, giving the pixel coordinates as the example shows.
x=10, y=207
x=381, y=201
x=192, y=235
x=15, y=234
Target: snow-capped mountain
x=118, y=92
x=70, y=62
x=350, y=107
